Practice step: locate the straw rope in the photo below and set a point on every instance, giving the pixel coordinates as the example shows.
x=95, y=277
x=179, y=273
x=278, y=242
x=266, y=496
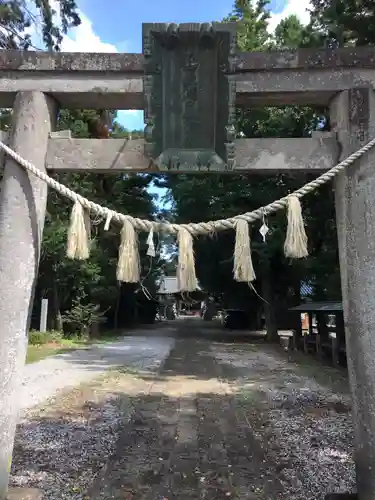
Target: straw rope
x=193, y=228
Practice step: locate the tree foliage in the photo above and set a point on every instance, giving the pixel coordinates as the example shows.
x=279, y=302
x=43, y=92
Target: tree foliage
x=80, y=291
x=20, y=18
x=252, y=19
x=342, y=23
x=73, y=286
x=211, y=197
x=69, y=283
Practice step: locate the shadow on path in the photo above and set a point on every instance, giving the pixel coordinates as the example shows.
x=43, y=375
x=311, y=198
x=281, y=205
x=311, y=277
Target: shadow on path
x=218, y=421
x=187, y=440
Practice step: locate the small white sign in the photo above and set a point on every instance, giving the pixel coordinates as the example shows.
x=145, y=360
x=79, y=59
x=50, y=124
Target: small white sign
x=285, y=333
x=43, y=315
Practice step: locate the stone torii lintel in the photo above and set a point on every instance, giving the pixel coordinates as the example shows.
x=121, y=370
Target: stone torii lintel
x=115, y=81
x=318, y=153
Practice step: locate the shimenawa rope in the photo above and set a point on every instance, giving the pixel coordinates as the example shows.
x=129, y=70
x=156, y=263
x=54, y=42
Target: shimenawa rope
x=129, y=266
x=193, y=228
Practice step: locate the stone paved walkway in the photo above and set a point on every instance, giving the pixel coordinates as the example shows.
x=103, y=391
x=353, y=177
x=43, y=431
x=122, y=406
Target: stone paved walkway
x=217, y=421
x=186, y=438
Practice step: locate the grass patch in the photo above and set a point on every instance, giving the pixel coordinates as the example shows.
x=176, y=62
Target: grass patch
x=38, y=352
x=42, y=345
x=110, y=336
x=333, y=378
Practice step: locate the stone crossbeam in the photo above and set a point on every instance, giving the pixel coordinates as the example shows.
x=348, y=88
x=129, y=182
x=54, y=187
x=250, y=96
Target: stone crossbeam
x=114, y=81
x=318, y=153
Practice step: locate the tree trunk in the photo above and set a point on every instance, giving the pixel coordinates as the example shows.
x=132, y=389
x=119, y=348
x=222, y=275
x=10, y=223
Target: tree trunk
x=269, y=311
x=56, y=312
x=297, y=293
x=117, y=310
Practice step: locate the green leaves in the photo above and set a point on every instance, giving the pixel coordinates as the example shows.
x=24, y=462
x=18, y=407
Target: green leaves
x=95, y=279
x=82, y=315
x=252, y=19
x=17, y=15
x=207, y=197
x=344, y=22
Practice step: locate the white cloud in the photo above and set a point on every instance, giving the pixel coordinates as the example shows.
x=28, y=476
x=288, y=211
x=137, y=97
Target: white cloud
x=80, y=39
x=297, y=7
x=84, y=39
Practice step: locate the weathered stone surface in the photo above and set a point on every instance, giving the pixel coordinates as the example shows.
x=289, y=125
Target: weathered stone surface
x=276, y=155
x=319, y=153
x=23, y=200
x=99, y=90
x=189, y=99
x=353, y=114
x=115, y=80
x=24, y=494
x=100, y=155
x=295, y=86
x=61, y=134
x=11, y=60
x=356, y=57
x=256, y=155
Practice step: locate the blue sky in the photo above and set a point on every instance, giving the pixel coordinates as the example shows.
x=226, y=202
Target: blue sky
x=117, y=26
x=121, y=23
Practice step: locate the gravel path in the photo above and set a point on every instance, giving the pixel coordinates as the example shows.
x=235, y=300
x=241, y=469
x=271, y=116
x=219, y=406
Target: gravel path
x=213, y=421
x=304, y=427
x=47, y=377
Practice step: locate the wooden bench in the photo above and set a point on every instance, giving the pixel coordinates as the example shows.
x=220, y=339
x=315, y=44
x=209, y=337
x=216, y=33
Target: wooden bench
x=323, y=329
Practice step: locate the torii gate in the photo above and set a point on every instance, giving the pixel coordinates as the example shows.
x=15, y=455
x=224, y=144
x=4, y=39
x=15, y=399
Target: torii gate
x=189, y=80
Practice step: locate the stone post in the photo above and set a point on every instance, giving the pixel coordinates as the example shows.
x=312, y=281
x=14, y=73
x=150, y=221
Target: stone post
x=353, y=116
x=22, y=211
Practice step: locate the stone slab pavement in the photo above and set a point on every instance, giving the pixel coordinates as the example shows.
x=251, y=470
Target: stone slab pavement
x=216, y=420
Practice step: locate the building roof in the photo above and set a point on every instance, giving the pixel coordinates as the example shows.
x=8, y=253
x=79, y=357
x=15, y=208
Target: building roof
x=318, y=306
x=169, y=285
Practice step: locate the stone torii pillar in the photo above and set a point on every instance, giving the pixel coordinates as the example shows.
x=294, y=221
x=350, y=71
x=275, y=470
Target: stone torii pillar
x=22, y=210
x=353, y=116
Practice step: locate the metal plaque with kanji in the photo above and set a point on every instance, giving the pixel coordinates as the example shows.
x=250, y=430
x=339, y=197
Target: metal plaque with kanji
x=189, y=92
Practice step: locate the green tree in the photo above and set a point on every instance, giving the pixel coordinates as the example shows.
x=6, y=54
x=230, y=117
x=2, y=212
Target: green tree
x=344, y=22
x=65, y=281
x=212, y=197
x=252, y=19
x=18, y=17
x=290, y=33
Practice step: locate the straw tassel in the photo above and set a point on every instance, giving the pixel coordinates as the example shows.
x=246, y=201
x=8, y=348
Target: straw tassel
x=150, y=242
x=78, y=246
x=187, y=280
x=128, y=266
x=295, y=245
x=243, y=264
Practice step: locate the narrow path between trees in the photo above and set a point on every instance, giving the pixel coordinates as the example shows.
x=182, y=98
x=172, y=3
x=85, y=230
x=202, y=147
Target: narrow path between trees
x=217, y=420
